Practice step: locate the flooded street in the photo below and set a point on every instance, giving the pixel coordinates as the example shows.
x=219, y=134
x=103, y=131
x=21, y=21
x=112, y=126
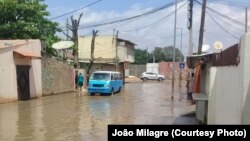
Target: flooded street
x=68, y=117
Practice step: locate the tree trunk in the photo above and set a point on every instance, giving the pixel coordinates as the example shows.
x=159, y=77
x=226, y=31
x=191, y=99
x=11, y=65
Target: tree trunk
x=91, y=58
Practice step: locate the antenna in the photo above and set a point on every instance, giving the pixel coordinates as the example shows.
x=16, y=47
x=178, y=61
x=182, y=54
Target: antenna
x=205, y=47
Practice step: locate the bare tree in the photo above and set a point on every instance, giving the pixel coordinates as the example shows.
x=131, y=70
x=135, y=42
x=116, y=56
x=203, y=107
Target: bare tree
x=74, y=29
x=91, y=61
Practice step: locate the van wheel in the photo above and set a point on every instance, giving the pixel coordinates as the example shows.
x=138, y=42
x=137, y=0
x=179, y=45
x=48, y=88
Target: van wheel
x=160, y=79
x=145, y=79
x=92, y=94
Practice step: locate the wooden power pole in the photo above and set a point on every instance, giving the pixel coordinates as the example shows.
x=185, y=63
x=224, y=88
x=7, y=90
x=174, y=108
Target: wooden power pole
x=202, y=26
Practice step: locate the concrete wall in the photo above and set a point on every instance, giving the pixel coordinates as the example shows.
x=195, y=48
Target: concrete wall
x=224, y=95
x=8, y=62
x=152, y=67
x=104, y=47
x=228, y=90
x=126, y=53
x=8, y=83
x=165, y=68
x=57, y=77
x=136, y=70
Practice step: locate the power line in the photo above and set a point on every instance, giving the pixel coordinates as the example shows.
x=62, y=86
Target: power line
x=159, y=23
x=76, y=9
x=222, y=15
x=233, y=3
x=132, y=17
x=221, y=26
x=228, y=22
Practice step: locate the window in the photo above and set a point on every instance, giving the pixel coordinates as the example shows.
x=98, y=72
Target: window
x=100, y=76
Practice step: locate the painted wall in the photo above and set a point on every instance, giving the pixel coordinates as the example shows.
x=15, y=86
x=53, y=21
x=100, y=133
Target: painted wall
x=104, y=47
x=152, y=67
x=8, y=62
x=228, y=90
x=126, y=52
x=224, y=96
x=8, y=84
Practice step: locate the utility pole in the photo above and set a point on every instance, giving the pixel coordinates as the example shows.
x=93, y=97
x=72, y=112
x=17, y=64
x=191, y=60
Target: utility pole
x=190, y=22
x=116, y=52
x=202, y=26
x=173, y=64
x=246, y=24
x=181, y=46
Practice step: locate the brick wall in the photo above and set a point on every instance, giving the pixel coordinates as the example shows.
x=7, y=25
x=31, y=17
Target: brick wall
x=165, y=68
x=57, y=77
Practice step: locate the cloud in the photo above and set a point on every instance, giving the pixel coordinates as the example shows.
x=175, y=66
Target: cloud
x=158, y=29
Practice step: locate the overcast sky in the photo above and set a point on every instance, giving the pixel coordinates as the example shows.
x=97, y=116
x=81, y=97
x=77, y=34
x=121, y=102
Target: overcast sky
x=156, y=29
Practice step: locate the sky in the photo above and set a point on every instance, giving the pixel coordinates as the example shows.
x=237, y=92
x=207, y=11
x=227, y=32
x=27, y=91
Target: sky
x=157, y=29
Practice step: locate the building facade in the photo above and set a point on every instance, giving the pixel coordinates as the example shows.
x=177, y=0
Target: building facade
x=110, y=53
x=20, y=70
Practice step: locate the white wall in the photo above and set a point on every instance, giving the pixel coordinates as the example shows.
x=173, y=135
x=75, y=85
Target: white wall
x=7, y=76
x=224, y=97
x=228, y=90
x=152, y=67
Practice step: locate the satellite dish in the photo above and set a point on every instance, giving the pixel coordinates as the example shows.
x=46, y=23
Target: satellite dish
x=205, y=48
x=63, y=45
x=218, y=45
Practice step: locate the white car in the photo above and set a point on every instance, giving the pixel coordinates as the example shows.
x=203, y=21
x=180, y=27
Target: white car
x=151, y=76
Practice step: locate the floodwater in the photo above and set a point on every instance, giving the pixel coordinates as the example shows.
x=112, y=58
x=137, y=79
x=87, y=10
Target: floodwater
x=68, y=117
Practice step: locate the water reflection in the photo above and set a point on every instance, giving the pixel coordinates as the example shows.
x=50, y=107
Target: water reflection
x=100, y=107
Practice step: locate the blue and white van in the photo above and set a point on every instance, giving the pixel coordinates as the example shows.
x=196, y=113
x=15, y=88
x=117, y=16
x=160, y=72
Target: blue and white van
x=105, y=82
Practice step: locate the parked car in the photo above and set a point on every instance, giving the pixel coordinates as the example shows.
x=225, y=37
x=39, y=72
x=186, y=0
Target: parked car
x=151, y=76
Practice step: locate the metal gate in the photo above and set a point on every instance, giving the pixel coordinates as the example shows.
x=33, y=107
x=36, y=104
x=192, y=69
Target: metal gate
x=23, y=85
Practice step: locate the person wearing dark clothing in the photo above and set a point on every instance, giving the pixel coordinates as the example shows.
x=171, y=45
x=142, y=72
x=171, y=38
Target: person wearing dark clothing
x=76, y=81
x=190, y=84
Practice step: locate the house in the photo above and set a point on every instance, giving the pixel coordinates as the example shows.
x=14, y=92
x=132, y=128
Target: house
x=110, y=53
x=224, y=84
x=20, y=70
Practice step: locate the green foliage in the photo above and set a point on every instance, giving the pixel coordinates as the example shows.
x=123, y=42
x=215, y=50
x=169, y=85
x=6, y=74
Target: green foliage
x=165, y=54
x=141, y=56
x=25, y=19
x=158, y=54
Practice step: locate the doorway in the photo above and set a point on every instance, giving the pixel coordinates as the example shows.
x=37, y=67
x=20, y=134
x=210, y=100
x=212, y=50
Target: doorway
x=23, y=84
